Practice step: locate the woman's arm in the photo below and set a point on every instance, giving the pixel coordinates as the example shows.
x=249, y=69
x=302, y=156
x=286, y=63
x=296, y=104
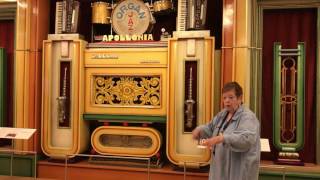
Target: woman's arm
x=245, y=135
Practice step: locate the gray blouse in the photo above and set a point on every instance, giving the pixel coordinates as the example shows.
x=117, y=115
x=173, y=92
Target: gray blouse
x=238, y=157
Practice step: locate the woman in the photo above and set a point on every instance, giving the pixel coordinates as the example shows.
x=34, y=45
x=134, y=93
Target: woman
x=234, y=138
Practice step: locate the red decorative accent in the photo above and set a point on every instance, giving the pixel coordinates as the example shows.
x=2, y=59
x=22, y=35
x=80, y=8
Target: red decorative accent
x=145, y=125
x=106, y=123
x=158, y=155
x=125, y=124
x=93, y=152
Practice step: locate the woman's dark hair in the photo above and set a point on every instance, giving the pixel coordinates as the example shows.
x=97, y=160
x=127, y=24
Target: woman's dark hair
x=233, y=86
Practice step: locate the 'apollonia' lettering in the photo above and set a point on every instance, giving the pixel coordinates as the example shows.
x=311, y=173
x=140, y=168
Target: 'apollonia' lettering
x=142, y=37
x=130, y=6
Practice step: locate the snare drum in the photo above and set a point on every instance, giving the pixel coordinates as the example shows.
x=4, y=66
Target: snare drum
x=131, y=17
x=101, y=12
x=162, y=5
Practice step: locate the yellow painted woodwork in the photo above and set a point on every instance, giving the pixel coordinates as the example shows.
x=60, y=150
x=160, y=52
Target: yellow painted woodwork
x=242, y=62
x=236, y=55
x=181, y=149
x=147, y=64
x=56, y=141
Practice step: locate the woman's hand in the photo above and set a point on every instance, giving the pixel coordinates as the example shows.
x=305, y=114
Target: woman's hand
x=213, y=141
x=196, y=133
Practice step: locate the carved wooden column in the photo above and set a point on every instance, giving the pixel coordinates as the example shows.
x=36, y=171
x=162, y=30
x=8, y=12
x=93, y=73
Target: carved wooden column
x=237, y=47
x=31, y=29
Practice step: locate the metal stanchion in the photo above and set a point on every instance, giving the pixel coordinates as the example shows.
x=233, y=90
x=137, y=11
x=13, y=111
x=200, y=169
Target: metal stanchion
x=11, y=157
x=192, y=162
x=277, y=167
x=105, y=156
x=284, y=174
x=184, y=170
x=149, y=168
x=66, y=167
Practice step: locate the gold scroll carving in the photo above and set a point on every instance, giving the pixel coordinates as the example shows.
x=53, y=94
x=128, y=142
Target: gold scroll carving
x=127, y=90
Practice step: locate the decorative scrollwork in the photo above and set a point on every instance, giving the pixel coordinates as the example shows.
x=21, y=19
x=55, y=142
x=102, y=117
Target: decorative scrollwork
x=127, y=90
x=288, y=99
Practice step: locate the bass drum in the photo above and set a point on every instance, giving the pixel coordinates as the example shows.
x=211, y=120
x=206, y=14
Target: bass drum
x=101, y=13
x=131, y=17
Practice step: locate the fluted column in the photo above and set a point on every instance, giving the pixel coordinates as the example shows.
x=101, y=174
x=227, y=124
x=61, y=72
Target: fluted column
x=31, y=28
x=237, y=46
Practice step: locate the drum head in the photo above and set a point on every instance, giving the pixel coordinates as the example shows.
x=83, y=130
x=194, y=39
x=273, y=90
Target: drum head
x=130, y=17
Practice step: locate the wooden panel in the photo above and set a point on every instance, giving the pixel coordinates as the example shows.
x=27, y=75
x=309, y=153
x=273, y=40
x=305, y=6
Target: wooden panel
x=180, y=147
x=57, y=141
x=119, y=57
x=84, y=170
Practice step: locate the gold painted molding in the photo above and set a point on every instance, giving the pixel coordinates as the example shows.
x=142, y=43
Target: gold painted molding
x=126, y=141
x=126, y=57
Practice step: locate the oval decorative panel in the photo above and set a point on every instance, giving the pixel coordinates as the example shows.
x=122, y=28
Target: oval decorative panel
x=126, y=141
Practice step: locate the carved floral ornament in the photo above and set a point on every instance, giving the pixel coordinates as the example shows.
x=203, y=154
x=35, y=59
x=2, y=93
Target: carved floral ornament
x=127, y=90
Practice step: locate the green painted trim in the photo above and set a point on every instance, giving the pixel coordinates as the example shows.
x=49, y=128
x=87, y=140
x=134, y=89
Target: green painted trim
x=3, y=77
x=125, y=118
x=298, y=145
x=290, y=174
x=276, y=95
x=301, y=96
x=23, y=165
